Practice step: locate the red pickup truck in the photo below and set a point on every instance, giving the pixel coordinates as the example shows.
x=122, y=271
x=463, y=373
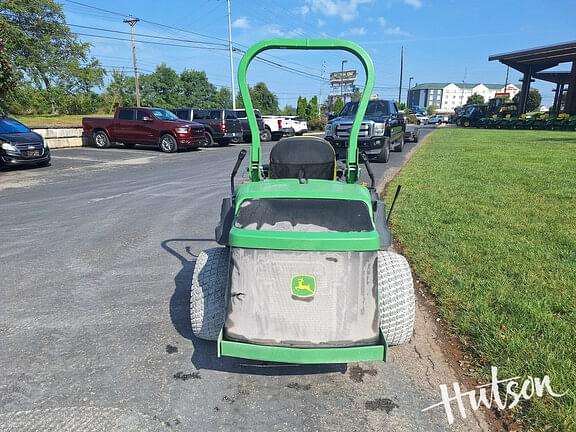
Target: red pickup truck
x=156, y=126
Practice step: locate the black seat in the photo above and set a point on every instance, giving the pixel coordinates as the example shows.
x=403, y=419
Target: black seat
x=303, y=158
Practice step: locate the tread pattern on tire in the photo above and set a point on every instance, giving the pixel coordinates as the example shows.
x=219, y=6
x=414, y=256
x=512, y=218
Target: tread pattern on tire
x=208, y=293
x=396, y=300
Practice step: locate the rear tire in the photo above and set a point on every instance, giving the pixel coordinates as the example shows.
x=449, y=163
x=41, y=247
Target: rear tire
x=265, y=135
x=208, y=139
x=396, y=300
x=400, y=146
x=208, y=293
x=101, y=140
x=384, y=155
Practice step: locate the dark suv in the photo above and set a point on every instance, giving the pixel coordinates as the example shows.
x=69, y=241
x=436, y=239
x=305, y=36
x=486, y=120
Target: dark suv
x=221, y=126
x=20, y=146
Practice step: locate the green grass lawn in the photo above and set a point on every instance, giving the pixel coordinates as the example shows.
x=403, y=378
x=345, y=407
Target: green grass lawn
x=50, y=120
x=488, y=220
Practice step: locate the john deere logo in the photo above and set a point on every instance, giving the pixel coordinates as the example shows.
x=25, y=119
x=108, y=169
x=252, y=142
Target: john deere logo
x=303, y=286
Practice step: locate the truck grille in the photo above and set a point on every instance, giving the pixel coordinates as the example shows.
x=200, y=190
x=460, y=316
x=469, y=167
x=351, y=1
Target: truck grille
x=343, y=130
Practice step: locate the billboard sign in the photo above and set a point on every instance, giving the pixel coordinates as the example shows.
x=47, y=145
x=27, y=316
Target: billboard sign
x=348, y=76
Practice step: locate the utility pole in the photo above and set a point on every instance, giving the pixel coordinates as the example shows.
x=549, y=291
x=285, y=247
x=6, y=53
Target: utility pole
x=463, y=82
x=408, y=92
x=320, y=100
x=132, y=22
x=231, y=50
x=401, y=71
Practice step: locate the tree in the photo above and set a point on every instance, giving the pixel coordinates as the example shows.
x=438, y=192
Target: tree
x=357, y=95
x=475, y=99
x=262, y=99
x=431, y=109
x=197, y=91
x=42, y=48
x=338, y=105
x=301, y=106
x=289, y=110
x=533, y=102
x=162, y=88
x=224, y=98
x=312, y=110
x=120, y=91
x=7, y=74
x=401, y=106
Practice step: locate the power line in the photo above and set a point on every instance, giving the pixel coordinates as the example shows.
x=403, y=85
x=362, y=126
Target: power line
x=149, y=42
x=147, y=35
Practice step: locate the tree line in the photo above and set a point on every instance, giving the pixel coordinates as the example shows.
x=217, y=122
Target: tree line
x=45, y=69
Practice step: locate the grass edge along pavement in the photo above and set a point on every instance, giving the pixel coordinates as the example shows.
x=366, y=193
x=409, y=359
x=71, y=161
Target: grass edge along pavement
x=487, y=221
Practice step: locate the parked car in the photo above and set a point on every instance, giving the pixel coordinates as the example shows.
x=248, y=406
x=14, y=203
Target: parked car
x=20, y=146
x=156, y=126
x=246, y=134
x=382, y=129
x=295, y=125
x=438, y=119
x=421, y=118
x=412, y=133
x=221, y=126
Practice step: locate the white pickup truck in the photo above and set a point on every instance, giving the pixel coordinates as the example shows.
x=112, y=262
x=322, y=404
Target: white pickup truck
x=274, y=128
x=295, y=125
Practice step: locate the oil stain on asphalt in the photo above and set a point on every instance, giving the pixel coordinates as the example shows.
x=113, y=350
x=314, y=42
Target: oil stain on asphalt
x=357, y=373
x=299, y=387
x=381, y=404
x=186, y=376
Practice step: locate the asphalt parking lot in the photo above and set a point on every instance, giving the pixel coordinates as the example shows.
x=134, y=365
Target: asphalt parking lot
x=97, y=256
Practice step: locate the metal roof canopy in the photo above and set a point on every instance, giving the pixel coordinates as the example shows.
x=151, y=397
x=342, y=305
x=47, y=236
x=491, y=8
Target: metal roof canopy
x=532, y=62
x=538, y=58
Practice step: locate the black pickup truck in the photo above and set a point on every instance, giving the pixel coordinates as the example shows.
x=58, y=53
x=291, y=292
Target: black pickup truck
x=382, y=129
x=221, y=126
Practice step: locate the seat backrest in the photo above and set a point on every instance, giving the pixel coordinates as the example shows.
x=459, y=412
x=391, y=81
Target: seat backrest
x=302, y=157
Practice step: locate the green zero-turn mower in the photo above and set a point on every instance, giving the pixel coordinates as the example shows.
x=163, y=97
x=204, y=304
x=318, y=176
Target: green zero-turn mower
x=304, y=275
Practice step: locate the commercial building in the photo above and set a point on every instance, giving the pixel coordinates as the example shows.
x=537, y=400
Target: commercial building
x=447, y=96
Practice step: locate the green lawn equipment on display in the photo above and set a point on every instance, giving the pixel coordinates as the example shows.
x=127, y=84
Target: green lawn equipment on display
x=304, y=275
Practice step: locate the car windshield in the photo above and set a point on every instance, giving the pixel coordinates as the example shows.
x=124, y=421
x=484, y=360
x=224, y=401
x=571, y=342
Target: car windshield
x=9, y=126
x=375, y=108
x=162, y=114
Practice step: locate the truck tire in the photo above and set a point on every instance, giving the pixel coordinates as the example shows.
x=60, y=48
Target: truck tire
x=399, y=147
x=101, y=139
x=396, y=300
x=168, y=144
x=208, y=293
x=384, y=155
x=466, y=123
x=265, y=135
x=208, y=139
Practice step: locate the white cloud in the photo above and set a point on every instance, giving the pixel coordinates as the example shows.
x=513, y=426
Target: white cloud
x=241, y=23
x=304, y=10
x=276, y=30
x=390, y=30
x=347, y=10
x=355, y=31
x=321, y=23
x=414, y=3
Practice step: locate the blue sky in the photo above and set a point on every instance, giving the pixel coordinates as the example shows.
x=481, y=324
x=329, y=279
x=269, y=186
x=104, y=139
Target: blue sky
x=443, y=40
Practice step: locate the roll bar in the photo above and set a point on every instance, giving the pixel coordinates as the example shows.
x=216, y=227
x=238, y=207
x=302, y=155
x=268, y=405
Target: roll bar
x=352, y=166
